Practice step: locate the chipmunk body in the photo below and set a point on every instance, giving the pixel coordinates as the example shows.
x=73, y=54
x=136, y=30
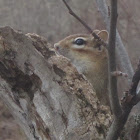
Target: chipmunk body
x=90, y=58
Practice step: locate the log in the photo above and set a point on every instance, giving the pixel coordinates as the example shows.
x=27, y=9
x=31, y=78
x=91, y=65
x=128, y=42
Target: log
x=45, y=93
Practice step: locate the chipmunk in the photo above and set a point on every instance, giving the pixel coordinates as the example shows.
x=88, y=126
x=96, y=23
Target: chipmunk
x=90, y=58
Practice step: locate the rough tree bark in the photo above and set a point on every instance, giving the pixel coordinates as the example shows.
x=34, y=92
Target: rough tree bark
x=45, y=93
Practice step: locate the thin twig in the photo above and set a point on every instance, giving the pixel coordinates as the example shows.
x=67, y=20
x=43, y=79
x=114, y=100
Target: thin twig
x=81, y=21
x=84, y=24
x=119, y=73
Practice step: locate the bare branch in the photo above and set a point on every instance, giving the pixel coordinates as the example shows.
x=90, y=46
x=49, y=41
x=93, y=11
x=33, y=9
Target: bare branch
x=84, y=24
x=121, y=54
x=114, y=100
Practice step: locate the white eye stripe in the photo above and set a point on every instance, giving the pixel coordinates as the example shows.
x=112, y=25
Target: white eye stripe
x=78, y=46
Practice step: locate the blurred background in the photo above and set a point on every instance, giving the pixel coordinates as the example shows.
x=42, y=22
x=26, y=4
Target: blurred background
x=51, y=19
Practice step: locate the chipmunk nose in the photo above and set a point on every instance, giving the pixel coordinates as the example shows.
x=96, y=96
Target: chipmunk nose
x=56, y=46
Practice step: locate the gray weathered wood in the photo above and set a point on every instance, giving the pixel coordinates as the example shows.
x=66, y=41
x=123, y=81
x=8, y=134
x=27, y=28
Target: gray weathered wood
x=45, y=93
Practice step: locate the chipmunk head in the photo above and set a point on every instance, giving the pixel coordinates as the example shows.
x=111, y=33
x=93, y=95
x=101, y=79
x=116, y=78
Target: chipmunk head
x=90, y=59
x=82, y=49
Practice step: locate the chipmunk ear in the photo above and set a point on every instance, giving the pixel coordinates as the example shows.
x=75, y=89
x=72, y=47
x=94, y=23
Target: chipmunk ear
x=103, y=34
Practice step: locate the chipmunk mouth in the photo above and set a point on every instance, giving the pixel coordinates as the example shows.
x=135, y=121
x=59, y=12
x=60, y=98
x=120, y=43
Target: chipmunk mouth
x=57, y=48
x=60, y=50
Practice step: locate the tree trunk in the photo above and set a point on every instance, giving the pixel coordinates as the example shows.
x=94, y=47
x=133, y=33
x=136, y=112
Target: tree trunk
x=45, y=93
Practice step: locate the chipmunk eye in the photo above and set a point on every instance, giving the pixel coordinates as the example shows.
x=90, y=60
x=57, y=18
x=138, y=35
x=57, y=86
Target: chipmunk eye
x=79, y=41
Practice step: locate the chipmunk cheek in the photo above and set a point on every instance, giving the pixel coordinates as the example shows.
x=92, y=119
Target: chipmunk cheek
x=62, y=50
